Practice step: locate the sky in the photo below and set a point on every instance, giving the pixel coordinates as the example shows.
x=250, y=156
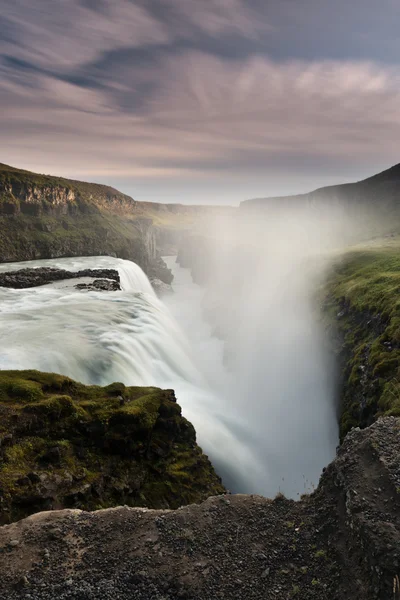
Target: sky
x=201, y=101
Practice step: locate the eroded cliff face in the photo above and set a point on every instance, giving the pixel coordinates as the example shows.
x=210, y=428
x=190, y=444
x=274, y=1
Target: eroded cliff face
x=33, y=200
x=22, y=192
x=49, y=217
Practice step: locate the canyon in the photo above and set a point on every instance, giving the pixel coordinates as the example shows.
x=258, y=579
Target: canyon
x=280, y=342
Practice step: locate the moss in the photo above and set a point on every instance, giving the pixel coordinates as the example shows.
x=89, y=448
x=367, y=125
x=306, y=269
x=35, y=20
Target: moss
x=55, y=408
x=115, y=389
x=143, y=410
x=15, y=389
x=71, y=445
x=363, y=288
x=295, y=591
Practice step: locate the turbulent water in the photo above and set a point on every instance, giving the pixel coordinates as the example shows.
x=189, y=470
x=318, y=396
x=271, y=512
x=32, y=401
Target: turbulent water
x=133, y=337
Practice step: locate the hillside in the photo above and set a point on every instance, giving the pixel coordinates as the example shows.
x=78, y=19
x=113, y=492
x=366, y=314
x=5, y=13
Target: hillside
x=361, y=309
x=376, y=198
x=42, y=216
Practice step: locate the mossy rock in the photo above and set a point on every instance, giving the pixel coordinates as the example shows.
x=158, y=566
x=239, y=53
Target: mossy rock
x=64, y=444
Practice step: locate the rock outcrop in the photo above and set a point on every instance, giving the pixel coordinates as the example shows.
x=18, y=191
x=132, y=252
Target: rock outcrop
x=26, y=278
x=160, y=287
x=64, y=445
x=340, y=543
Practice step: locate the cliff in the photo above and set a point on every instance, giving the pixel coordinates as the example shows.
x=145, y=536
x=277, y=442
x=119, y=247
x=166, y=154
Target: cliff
x=42, y=216
x=340, y=543
x=67, y=445
x=362, y=315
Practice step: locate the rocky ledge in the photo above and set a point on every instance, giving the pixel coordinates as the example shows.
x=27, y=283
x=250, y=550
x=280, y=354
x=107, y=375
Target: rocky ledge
x=67, y=445
x=27, y=278
x=340, y=543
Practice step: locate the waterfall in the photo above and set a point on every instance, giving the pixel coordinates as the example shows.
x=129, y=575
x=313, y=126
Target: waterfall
x=102, y=337
x=131, y=336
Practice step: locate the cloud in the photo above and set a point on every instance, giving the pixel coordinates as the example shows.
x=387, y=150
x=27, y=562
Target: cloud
x=218, y=16
x=54, y=34
x=108, y=87
x=205, y=113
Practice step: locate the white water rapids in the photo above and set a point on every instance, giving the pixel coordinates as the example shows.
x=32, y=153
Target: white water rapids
x=133, y=337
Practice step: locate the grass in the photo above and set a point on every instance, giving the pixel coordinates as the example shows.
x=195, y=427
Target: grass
x=363, y=297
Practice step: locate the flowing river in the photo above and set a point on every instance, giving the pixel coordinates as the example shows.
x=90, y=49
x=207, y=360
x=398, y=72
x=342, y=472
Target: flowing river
x=133, y=337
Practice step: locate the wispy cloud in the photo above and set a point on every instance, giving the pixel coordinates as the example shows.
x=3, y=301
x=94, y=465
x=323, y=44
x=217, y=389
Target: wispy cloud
x=65, y=34
x=77, y=99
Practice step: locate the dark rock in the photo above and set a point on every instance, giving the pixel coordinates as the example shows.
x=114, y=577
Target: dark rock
x=23, y=481
x=99, y=285
x=160, y=287
x=34, y=477
x=53, y=456
x=26, y=278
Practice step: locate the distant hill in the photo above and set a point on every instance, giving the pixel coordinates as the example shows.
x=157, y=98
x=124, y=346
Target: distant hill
x=379, y=195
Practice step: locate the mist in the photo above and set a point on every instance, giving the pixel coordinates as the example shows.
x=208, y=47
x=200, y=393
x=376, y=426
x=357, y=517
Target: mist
x=276, y=380
x=240, y=340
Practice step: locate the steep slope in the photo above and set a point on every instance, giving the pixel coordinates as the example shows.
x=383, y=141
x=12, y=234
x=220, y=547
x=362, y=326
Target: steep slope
x=340, y=543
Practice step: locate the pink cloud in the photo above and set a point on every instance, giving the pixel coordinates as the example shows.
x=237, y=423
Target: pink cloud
x=205, y=116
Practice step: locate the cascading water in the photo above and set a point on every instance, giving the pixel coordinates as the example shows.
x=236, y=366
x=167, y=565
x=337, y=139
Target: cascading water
x=102, y=337
x=133, y=337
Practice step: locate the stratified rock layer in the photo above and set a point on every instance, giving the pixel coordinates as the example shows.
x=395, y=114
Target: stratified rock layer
x=340, y=543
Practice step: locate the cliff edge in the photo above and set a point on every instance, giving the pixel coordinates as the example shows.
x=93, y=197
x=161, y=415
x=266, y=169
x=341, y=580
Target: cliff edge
x=67, y=445
x=342, y=542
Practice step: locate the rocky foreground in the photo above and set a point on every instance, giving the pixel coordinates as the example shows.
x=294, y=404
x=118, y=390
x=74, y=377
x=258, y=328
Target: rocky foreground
x=342, y=542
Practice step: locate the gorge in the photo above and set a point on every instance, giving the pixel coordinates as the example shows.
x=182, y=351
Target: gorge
x=130, y=336
x=279, y=337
